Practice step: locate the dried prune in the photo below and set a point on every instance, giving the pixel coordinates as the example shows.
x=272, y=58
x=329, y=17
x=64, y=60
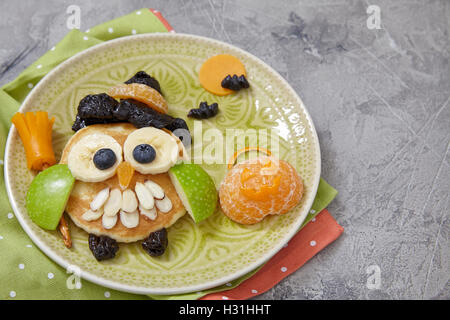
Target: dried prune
x=156, y=243
x=99, y=106
x=128, y=110
x=177, y=123
x=235, y=83
x=103, y=247
x=204, y=111
x=81, y=123
x=140, y=115
x=143, y=78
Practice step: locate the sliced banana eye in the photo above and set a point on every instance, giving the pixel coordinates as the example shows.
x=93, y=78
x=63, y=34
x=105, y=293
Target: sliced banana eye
x=94, y=158
x=150, y=150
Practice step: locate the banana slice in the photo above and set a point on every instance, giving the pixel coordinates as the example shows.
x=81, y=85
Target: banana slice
x=80, y=158
x=165, y=145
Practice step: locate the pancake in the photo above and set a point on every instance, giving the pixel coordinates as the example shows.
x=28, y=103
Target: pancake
x=84, y=192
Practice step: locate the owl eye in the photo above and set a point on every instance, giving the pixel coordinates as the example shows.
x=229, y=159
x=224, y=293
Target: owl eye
x=150, y=150
x=144, y=153
x=94, y=158
x=104, y=158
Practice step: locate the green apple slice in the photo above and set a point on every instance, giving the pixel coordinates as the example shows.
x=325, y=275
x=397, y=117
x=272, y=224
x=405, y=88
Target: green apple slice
x=48, y=195
x=196, y=190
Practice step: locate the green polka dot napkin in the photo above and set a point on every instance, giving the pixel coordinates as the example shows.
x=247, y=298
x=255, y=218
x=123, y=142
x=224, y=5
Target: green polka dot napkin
x=27, y=273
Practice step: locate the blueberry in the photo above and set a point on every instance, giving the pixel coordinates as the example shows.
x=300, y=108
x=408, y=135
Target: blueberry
x=144, y=153
x=104, y=159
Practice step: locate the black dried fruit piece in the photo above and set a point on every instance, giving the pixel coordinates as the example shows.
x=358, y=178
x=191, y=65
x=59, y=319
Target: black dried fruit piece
x=98, y=106
x=156, y=243
x=81, y=123
x=235, y=83
x=243, y=82
x=204, y=111
x=95, y=111
x=140, y=115
x=143, y=78
x=177, y=123
x=103, y=247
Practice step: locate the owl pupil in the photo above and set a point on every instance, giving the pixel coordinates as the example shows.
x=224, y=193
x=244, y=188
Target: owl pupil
x=144, y=153
x=104, y=159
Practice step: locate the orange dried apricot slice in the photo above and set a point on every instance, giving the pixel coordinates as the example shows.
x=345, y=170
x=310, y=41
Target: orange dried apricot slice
x=216, y=68
x=142, y=93
x=125, y=173
x=259, y=187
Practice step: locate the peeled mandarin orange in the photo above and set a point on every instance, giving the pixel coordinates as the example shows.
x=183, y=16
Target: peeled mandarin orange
x=125, y=173
x=142, y=93
x=216, y=68
x=259, y=187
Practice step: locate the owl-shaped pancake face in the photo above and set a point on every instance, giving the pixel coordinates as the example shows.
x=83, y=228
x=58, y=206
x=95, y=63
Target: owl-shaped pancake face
x=122, y=187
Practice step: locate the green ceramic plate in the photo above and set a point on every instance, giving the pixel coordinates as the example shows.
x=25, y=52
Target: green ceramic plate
x=217, y=250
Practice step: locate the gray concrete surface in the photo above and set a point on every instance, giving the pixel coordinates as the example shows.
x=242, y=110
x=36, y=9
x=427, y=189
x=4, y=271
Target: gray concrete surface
x=380, y=102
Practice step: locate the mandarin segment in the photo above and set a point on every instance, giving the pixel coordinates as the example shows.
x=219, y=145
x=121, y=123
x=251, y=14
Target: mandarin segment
x=125, y=173
x=250, y=192
x=141, y=93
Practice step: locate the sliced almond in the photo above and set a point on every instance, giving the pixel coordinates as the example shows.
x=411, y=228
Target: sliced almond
x=92, y=215
x=145, y=196
x=100, y=199
x=129, y=219
x=129, y=201
x=114, y=203
x=109, y=222
x=164, y=205
x=155, y=189
x=151, y=214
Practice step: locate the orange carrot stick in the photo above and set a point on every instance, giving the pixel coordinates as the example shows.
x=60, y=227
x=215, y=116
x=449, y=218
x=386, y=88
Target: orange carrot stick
x=35, y=130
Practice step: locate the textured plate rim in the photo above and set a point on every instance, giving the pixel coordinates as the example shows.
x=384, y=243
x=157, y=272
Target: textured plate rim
x=146, y=290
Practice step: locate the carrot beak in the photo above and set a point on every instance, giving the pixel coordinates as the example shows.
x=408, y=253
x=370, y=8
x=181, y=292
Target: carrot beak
x=125, y=173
